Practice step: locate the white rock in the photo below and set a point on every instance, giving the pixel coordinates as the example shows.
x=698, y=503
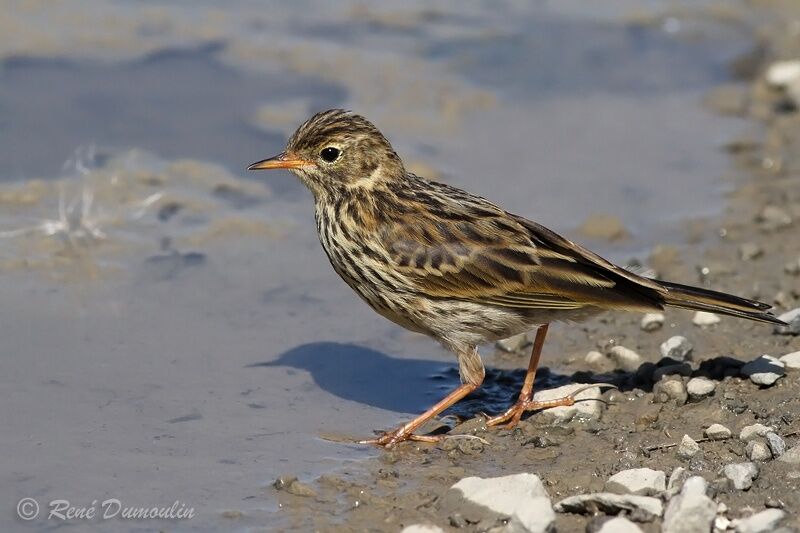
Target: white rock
x=764, y=371
x=587, y=407
x=513, y=344
x=776, y=444
x=758, y=451
x=792, y=318
x=535, y=517
x=670, y=389
x=791, y=361
x=641, y=508
x=781, y=74
x=690, y=511
x=704, y=319
x=502, y=495
x=595, y=359
x=688, y=447
x=619, y=524
x=625, y=358
x=422, y=528
x=741, y=475
x=652, y=321
x=677, y=478
x=764, y=522
x=641, y=481
x=752, y=431
x=700, y=387
x=792, y=455
x=676, y=347
x=717, y=432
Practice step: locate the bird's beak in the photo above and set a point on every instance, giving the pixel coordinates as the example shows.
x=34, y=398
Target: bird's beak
x=282, y=160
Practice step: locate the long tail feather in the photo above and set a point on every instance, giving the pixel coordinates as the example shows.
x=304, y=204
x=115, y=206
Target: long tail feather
x=698, y=299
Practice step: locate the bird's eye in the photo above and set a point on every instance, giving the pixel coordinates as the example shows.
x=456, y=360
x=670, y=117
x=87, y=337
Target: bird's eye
x=330, y=154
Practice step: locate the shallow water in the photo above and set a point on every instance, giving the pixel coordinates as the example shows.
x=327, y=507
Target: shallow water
x=199, y=344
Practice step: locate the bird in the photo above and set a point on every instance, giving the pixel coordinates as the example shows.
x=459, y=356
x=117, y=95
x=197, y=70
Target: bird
x=441, y=261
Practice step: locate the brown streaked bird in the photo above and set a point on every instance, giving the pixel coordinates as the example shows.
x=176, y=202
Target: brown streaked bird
x=452, y=265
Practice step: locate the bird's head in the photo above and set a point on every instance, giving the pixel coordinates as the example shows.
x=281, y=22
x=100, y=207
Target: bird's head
x=336, y=150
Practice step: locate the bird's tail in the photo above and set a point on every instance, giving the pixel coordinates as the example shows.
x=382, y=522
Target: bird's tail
x=698, y=299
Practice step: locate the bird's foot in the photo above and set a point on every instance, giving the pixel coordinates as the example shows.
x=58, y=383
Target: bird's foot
x=390, y=438
x=514, y=413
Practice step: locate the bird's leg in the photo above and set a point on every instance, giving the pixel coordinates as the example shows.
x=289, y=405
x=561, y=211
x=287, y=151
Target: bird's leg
x=406, y=431
x=525, y=401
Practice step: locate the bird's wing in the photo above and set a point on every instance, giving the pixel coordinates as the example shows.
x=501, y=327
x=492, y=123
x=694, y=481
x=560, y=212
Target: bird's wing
x=467, y=248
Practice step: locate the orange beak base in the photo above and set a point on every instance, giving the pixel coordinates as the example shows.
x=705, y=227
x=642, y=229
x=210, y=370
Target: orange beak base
x=282, y=160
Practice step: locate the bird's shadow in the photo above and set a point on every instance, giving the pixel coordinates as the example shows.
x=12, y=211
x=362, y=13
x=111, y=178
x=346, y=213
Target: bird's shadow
x=373, y=378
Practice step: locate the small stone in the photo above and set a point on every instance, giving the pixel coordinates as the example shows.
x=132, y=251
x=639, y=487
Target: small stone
x=700, y=387
x=639, y=508
x=677, y=478
x=625, y=358
x=597, y=360
x=741, y=475
x=652, y=321
x=587, y=407
x=690, y=511
x=792, y=319
x=764, y=371
x=619, y=524
x=791, y=361
x=764, y=522
x=717, y=432
x=776, y=444
x=422, y=528
x=749, y=251
x=792, y=267
x=513, y=344
x=774, y=218
x=670, y=390
x=791, y=456
x=758, y=451
x=502, y=495
x=780, y=74
x=535, y=517
x=688, y=447
x=677, y=347
x=640, y=481
x=752, y=431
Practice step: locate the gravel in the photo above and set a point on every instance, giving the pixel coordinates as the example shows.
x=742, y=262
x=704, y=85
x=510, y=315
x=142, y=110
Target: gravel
x=792, y=318
x=503, y=495
x=677, y=478
x=625, y=358
x=764, y=371
x=690, y=511
x=639, y=481
x=705, y=319
x=777, y=446
x=688, y=448
x=752, y=431
x=791, y=456
x=513, y=344
x=763, y=522
x=700, y=387
x=717, y=432
x=537, y=517
x=652, y=321
x=741, y=475
x=639, y=508
x=791, y=361
x=670, y=390
x=677, y=347
x=619, y=524
x=757, y=450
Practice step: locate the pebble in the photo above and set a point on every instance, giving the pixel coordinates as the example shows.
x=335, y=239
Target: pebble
x=422, y=528
x=690, y=511
x=792, y=318
x=758, y=451
x=749, y=251
x=639, y=508
x=752, y=431
x=597, y=361
x=536, y=517
x=764, y=371
x=781, y=74
x=791, y=361
x=587, y=408
x=764, y=522
x=513, y=344
x=676, y=347
x=773, y=218
x=619, y=524
x=791, y=456
x=688, y=447
x=677, y=478
x=652, y=321
x=639, y=481
x=503, y=495
x=776, y=444
x=705, y=319
x=700, y=387
x=625, y=358
x=717, y=432
x=671, y=389
x=741, y=475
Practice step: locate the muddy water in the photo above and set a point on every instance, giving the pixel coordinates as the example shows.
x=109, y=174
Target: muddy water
x=172, y=330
